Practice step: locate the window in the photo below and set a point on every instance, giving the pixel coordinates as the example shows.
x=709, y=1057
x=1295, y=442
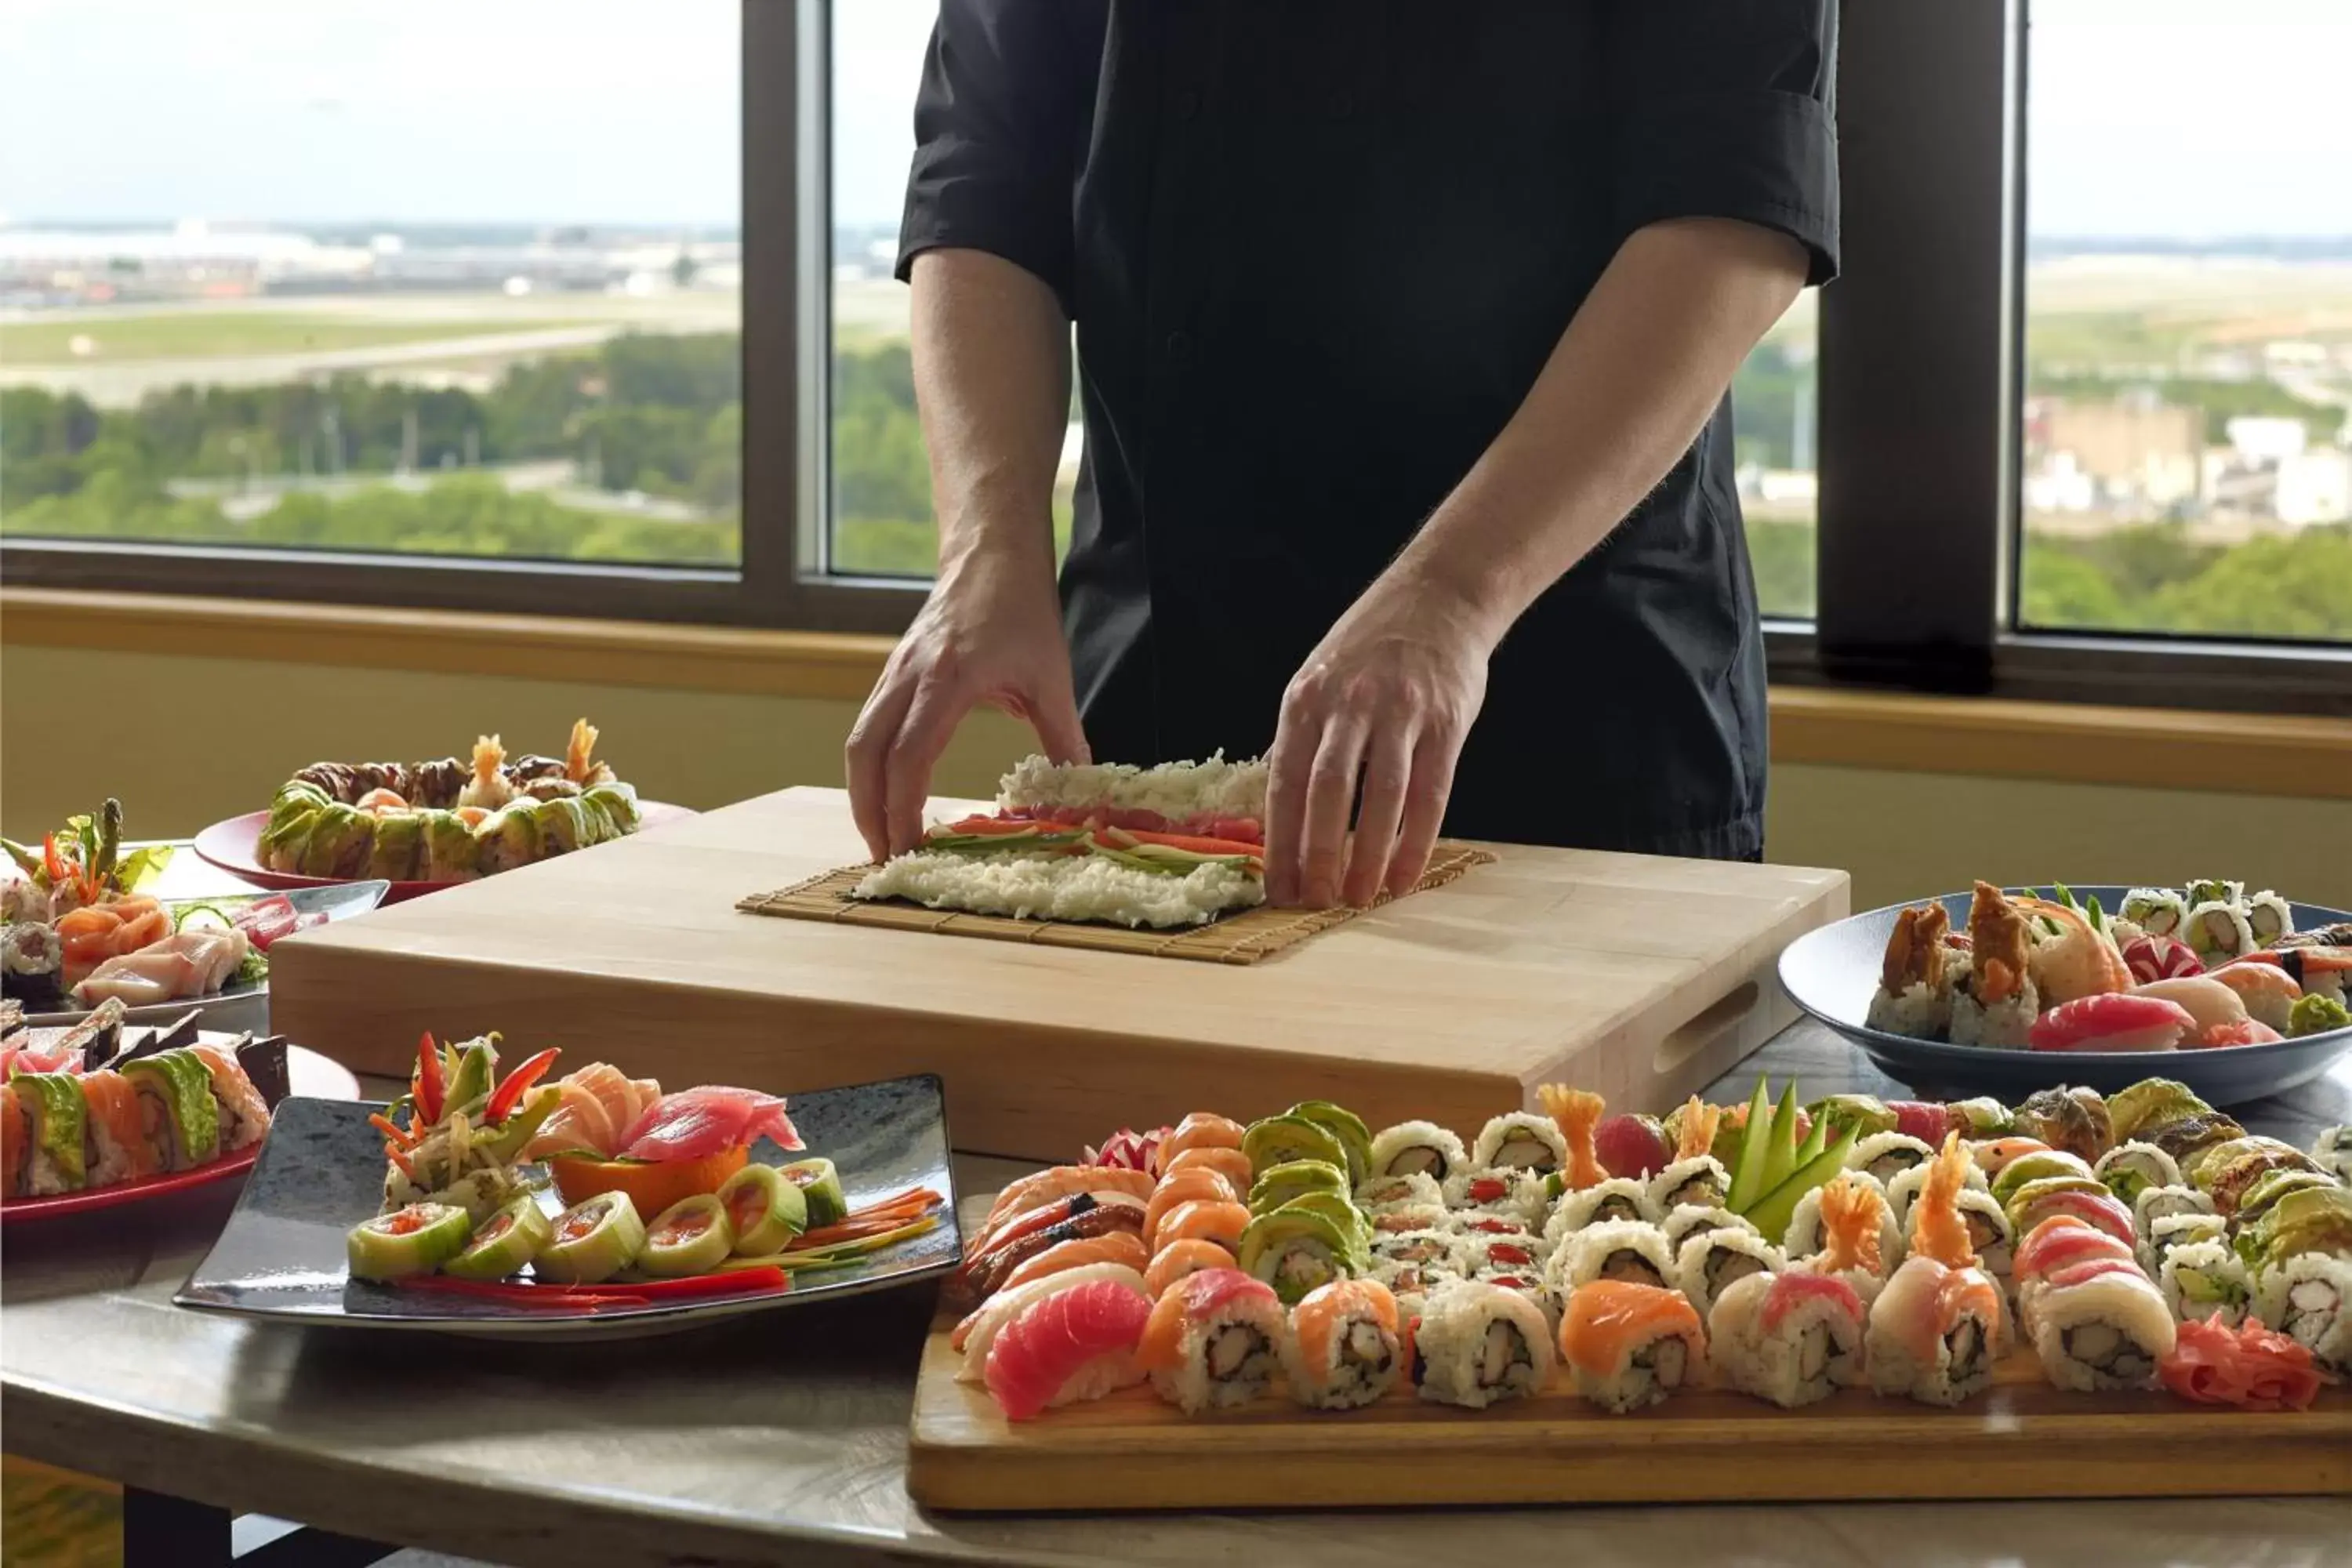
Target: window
x=2187, y=457
x=1774, y=434
x=335, y=279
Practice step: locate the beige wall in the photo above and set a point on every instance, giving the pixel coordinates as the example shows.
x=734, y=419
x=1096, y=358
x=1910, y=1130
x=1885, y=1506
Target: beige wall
x=186, y=741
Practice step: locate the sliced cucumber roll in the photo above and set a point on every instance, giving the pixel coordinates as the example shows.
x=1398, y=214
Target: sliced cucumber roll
x=764, y=1208
x=692, y=1237
x=820, y=1184
x=593, y=1240
x=504, y=1242
x=408, y=1241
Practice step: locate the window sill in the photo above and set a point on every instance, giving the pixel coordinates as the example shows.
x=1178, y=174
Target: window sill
x=2245, y=754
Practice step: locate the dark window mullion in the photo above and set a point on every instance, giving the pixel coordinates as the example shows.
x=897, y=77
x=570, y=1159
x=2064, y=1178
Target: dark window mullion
x=1917, y=369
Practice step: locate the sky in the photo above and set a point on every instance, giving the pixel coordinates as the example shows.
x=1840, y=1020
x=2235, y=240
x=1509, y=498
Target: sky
x=2148, y=117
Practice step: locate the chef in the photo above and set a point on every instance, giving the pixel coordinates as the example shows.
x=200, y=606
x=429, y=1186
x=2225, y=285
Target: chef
x=1404, y=333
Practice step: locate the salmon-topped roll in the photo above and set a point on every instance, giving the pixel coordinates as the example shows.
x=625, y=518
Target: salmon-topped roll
x=1213, y=1340
x=1345, y=1348
x=1630, y=1345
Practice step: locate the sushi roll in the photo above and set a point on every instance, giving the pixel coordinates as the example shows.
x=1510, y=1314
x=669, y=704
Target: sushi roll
x=1530, y=1285
x=1883, y=1156
x=178, y=1088
x=2332, y=1152
x=16, y=1142
x=1411, y=1189
x=1789, y=1337
x=2308, y=1298
x=56, y=1116
x=242, y=1113
x=1413, y=1217
x=1345, y=1348
x=1274, y=1140
x=1308, y=1242
x=1180, y=1260
x=1935, y=1332
x=1805, y=1235
x=1071, y=1345
x=2077, y=1196
x=1684, y=1223
x=2215, y=891
x=1418, y=1148
x=1699, y=1182
x=2109, y=1331
x=1630, y=1250
x=1213, y=1340
x=1618, y=1198
x=2268, y=916
x=2177, y=1230
x=1444, y=1249
x=2201, y=1279
x=1413, y=1284
x=1522, y=1141
x=1630, y=1345
x=1278, y=1185
x=2154, y=1203
x=1512, y=1254
x=1904, y=1190
x=116, y=1147
x=1511, y=1193
x=2128, y=1170
x=2157, y=911
x=2216, y=932
x=1713, y=1259
x=32, y=963
x=1988, y=1230
x=1479, y=1343
x=1916, y=978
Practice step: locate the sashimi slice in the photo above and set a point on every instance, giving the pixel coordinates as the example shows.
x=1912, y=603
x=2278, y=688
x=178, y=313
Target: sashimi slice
x=596, y=1105
x=697, y=1123
x=1072, y=1345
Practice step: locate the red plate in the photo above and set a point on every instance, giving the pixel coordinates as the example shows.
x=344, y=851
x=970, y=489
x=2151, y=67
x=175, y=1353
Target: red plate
x=230, y=845
x=307, y=1073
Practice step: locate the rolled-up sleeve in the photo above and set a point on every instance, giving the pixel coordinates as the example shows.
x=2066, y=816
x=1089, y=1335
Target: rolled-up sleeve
x=1000, y=125
x=1727, y=109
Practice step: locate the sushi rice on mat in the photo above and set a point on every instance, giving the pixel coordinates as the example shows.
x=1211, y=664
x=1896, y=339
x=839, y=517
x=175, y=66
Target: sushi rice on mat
x=1213, y=1340
x=1630, y=1250
x=1477, y=1344
x=1791, y=1338
x=1418, y=1148
x=1630, y=1345
x=1521, y=1140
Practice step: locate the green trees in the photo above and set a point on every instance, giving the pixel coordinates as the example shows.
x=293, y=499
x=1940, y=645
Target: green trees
x=2150, y=578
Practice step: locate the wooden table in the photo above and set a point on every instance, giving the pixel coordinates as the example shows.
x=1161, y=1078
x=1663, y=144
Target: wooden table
x=785, y=1438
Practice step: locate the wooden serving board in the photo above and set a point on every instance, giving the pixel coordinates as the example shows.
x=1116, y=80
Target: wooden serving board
x=2022, y=1438
x=1642, y=977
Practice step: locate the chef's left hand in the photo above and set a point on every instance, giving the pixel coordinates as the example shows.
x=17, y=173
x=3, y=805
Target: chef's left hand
x=1388, y=694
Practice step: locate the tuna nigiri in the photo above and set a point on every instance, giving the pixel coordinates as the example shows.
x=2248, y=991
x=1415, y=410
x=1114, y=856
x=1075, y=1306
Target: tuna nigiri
x=1180, y=1260
x=977, y=1332
x=1123, y=1247
x=2112, y=1021
x=696, y=1123
x=1072, y=1345
x=1042, y=1187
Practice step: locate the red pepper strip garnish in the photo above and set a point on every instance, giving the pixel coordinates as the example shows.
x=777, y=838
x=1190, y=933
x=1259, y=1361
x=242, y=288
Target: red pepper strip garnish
x=51, y=860
x=536, y=1295
x=390, y=1129
x=400, y=1158
x=428, y=1079
x=529, y=1072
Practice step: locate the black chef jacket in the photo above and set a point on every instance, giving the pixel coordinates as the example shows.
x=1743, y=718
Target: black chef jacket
x=1317, y=252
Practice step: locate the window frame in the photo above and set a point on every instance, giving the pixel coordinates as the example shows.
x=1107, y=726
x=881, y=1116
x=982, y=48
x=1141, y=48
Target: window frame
x=1917, y=524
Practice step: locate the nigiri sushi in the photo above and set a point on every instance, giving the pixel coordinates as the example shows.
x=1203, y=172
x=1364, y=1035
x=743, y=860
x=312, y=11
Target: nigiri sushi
x=1122, y=1246
x=1213, y=1340
x=1203, y=1220
x=2267, y=991
x=1071, y=1345
x=1178, y=1259
x=1630, y=1345
x=1185, y=1187
x=1054, y=1213
x=990, y=1270
x=1345, y=1348
x=977, y=1332
x=2112, y=1021
x=1201, y=1129
x=1042, y=1187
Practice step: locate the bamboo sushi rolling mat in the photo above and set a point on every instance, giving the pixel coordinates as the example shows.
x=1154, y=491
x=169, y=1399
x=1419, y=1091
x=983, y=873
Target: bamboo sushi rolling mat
x=1246, y=937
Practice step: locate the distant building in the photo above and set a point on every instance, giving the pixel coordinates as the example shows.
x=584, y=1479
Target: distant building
x=2132, y=454
x=2313, y=487
x=2265, y=438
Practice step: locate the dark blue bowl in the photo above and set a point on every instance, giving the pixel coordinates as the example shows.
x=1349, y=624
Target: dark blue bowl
x=1831, y=973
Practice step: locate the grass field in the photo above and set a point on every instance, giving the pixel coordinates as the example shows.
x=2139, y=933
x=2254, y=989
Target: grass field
x=224, y=334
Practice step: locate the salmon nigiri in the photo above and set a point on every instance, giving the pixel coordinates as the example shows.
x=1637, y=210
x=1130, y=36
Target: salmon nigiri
x=1072, y=1345
x=1180, y=1261
x=1577, y=1113
x=1203, y=1220
x=1185, y=1187
x=1630, y=1345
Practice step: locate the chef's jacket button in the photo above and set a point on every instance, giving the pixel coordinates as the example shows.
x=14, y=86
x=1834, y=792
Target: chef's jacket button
x=1188, y=104
x=1179, y=347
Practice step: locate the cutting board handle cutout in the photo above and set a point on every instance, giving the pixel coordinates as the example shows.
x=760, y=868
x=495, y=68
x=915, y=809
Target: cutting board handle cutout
x=1711, y=1024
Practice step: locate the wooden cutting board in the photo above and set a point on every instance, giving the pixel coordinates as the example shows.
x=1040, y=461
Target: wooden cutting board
x=2022, y=1438
x=1642, y=978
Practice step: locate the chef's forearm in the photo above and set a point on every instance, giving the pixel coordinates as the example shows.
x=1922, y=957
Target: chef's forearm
x=1630, y=384
x=993, y=382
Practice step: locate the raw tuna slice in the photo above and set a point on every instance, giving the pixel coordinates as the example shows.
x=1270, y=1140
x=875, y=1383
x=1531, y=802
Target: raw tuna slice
x=696, y=1123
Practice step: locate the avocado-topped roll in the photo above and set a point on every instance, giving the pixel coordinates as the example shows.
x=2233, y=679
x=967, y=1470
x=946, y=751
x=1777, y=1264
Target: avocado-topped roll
x=452, y=853
x=1280, y=1140
x=1308, y=1242
x=54, y=1113
x=1278, y=1184
x=509, y=836
x=177, y=1108
x=397, y=847
x=243, y=1114
x=338, y=842
x=618, y=802
x=1354, y=1138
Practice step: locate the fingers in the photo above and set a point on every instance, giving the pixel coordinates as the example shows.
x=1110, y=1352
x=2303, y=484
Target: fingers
x=1424, y=809
x=866, y=759
x=1055, y=720
x=1330, y=800
x=1296, y=741
x=930, y=723
x=1388, y=771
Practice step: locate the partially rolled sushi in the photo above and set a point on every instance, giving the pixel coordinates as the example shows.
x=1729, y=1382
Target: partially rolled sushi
x=1711, y=1261
x=2202, y=1279
x=1790, y=1337
x=1699, y=1182
x=1629, y=1250
x=1411, y=1189
x=1418, y=1148
x=1618, y=1198
x=1344, y=1350
x=1521, y=1140
x=2110, y=1330
x=1630, y=1345
x=2308, y=1298
x=1213, y=1340
x=2154, y=1203
x=1479, y=1343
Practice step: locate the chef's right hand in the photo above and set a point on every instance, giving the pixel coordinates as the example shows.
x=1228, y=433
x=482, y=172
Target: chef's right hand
x=989, y=636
